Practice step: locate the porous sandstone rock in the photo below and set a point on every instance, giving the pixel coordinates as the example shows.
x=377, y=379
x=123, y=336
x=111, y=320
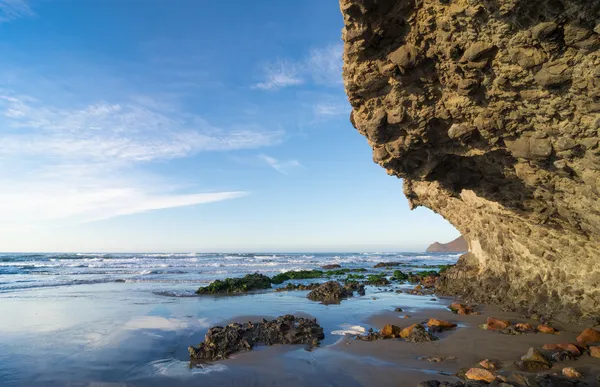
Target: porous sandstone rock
x=489, y=111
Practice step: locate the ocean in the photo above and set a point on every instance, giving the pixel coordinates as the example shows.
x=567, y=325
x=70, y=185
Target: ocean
x=127, y=319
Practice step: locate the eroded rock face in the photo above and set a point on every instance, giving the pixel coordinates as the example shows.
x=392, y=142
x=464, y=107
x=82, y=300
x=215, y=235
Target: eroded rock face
x=490, y=112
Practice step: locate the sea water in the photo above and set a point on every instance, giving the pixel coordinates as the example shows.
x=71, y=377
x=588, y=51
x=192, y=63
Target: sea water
x=92, y=319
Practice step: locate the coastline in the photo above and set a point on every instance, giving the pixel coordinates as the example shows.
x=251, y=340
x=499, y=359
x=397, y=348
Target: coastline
x=137, y=334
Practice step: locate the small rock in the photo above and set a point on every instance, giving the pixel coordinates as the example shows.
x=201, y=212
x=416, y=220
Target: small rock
x=534, y=355
x=398, y=310
x=544, y=328
x=488, y=365
x=460, y=131
x=496, y=324
x=543, y=30
x=329, y=267
x=440, y=324
x=524, y=328
x=589, y=335
x=390, y=331
x=595, y=352
x=563, y=347
x=416, y=333
x=532, y=366
x=480, y=374
x=572, y=373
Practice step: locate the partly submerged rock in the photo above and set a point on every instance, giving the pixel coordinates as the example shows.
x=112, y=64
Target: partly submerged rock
x=390, y=331
x=332, y=266
x=488, y=365
x=563, y=347
x=536, y=356
x=330, y=292
x=595, y=352
x=221, y=342
x=247, y=283
x=439, y=325
x=416, y=334
x=494, y=324
x=545, y=328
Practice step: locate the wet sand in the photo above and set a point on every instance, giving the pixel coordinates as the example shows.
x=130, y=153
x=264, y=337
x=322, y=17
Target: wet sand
x=121, y=335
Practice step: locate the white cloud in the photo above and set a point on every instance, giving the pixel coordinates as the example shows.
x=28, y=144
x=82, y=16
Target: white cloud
x=279, y=75
x=82, y=165
x=325, y=65
x=326, y=109
x=322, y=65
x=14, y=9
x=283, y=167
x=117, y=132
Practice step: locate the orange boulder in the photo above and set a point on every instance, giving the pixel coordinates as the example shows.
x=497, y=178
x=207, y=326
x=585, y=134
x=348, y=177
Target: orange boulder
x=480, y=374
x=546, y=329
x=563, y=347
x=522, y=327
x=589, y=335
x=488, y=365
x=595, y=352
x=390, y=331
x=495, y=324
x=441, y=324
x=406, y=331
x=572, y=373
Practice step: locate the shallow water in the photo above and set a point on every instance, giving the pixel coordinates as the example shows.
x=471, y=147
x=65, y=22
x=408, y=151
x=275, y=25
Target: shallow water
x=65, y=321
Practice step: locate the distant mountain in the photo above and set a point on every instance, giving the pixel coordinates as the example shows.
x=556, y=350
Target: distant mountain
x=459, y=245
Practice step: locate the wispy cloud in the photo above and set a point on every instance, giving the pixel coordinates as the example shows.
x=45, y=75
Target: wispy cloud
x=322, y=66
x=279, y=75
x=118, y=132
x=325, y=109
x=85, y=164
x=284, y=167
x=14, y=9
x=325, y=65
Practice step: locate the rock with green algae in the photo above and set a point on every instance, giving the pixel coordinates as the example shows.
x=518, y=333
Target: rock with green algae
x=245, y=284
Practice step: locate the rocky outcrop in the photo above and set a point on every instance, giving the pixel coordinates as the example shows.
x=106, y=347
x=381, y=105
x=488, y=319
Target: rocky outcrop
x=221, y=342
x=331, y=292
x=459, y=245
x=490, y=112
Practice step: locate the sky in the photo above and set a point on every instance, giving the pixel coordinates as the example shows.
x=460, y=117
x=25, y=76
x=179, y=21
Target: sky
x=188, y=125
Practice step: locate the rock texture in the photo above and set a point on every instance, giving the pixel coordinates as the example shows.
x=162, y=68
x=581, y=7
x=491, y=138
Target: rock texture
x=459, y=245
x=222, y=342
x=490, y=112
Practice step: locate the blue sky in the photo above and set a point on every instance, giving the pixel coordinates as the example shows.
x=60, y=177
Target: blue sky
x=188, y=125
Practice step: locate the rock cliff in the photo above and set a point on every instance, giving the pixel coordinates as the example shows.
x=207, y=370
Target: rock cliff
x=459, y=245
x=490, y=112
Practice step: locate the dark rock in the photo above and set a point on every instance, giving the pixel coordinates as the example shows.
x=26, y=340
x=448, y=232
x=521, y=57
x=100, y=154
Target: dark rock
x=247, y=283
x=330, y=292
x=419, y=334
x=398, y=310
x=531, y=366
x=221, y=342
x=329, y=267
x=387, y=264
x=292, y=287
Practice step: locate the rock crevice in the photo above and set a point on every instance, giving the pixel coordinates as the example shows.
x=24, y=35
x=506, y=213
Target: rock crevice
x=490, y=112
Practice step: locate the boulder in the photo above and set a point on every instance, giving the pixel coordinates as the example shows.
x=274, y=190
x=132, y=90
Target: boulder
x=488, y=365
x=416, y=333
x=332, y=266
x=221, y=342
x=572, y=373
x=544, y=328
x=480, y=374
x=495, y=324
x=245, y=284
x=563, y=347
x=390, y=331
x=534, y=355
x=595, y=351
x=439, y=325
x=589, y=335
x=330, y=292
